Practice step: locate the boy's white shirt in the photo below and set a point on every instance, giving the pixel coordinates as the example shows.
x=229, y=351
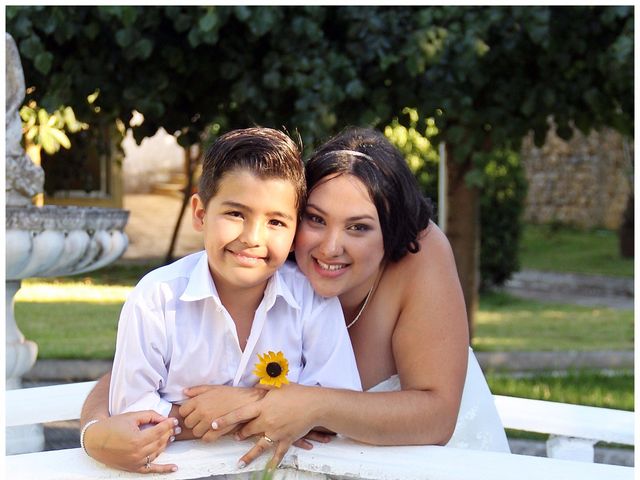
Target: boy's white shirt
x=175, y=333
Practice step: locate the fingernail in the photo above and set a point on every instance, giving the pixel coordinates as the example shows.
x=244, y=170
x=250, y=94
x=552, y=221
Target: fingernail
x=172, y=439
x=214, y=425
x=177, y=430
x=174, y=469
x=175, y=421
x=241, y=464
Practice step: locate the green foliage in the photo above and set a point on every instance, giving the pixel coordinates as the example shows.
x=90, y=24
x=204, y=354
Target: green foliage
x=48, y=131
x=415, y=144
x=501, y=207
x=487, y=75
x=503, y=185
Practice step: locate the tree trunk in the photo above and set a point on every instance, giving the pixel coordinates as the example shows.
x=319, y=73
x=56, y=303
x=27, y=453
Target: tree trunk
x=463, y=231
x=189, y=164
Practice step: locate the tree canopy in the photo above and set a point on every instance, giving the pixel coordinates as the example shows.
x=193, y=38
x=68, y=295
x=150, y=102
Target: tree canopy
x=488, y=75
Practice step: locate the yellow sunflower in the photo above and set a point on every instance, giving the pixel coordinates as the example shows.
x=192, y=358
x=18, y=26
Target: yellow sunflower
x=272, y=369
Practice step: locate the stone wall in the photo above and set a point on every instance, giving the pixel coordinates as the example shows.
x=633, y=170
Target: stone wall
x=583, y=182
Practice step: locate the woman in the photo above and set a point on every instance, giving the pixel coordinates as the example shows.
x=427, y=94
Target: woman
x=367, y=237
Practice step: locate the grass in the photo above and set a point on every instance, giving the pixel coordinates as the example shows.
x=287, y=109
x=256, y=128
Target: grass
x=507, y=323
x=592, y=388
x=563, y=249
x=70, y=320
x=85, y=311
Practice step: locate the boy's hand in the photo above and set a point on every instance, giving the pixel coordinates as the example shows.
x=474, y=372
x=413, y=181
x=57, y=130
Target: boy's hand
x=207, y=402
x=118, y=441
x=284, y=415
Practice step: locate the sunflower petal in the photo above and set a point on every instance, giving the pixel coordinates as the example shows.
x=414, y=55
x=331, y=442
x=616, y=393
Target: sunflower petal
x=260, y=369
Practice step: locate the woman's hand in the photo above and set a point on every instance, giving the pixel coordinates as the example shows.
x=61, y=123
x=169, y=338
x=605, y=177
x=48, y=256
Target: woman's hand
x=284, y=415
x=118, y=441
x=207, y=402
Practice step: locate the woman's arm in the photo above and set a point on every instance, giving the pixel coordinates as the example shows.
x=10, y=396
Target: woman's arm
x=118, y=441
x=430, y=350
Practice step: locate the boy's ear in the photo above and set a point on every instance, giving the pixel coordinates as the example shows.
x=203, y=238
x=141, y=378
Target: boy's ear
x=197, y=212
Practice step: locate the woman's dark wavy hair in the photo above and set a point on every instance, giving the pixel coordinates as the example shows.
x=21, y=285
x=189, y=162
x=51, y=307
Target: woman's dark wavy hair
x=402, y=208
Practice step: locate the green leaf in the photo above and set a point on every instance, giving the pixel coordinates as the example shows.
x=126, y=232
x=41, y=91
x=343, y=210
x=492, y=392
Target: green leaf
x=43, y=62
x=128, y=15
x=60, y=137
x=242, y=12
x=124, y=37
x=194, y=37
x=91, y=30
x=47, y=140
x=272, y=79
x=92, y=98
x=182, y=22
x=143, y=48
x=209, y=21
x=475, y=178
x=31, y=47
x=20, y=27
x=355, y=89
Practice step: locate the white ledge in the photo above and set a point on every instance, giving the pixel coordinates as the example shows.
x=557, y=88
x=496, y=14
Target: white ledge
x=601, y=424
x=341, y=456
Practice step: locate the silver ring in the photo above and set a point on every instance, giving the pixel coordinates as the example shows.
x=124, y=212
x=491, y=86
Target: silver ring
x=148, y=464
x=271, y=442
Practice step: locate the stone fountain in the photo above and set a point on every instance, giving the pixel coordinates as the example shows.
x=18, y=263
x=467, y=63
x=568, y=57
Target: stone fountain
x=42, y=241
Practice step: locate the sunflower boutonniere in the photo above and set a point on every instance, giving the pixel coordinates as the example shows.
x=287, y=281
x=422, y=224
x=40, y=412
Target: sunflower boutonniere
x=272, y=369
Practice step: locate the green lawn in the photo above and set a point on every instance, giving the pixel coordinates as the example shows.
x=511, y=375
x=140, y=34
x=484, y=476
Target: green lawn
x=563, y=249
x=579, y=387
x=77, y=318
x=506, y=323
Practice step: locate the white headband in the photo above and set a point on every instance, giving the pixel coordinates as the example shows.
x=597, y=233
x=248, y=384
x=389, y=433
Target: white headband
x=352, y=152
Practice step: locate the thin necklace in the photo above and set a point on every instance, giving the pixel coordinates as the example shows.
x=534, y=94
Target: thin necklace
x=364, y=304
x=366, y=299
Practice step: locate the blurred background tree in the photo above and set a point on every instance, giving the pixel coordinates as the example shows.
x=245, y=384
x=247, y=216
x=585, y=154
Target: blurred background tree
x=484, y=77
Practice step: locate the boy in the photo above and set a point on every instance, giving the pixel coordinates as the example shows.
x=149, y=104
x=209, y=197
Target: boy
x=205, y=318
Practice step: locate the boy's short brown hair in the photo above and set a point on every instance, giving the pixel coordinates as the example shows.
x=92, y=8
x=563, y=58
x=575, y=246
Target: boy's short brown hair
x=265, y=152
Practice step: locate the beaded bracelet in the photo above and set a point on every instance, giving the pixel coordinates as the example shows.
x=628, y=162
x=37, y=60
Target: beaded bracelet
x=83, y=431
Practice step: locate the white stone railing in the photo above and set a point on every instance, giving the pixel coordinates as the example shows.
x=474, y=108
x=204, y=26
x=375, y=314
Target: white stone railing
x=570, y=425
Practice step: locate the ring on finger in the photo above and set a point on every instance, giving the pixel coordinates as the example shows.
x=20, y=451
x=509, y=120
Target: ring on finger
x=148, y=464
x=269, y=441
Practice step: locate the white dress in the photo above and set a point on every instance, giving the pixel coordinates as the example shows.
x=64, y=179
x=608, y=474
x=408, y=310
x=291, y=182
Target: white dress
x=478, y=426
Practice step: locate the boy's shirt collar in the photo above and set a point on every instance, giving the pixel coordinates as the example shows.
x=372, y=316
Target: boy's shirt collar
x=201, y=286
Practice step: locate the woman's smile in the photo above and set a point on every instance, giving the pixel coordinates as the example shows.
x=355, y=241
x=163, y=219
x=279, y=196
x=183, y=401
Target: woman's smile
x=330, y=269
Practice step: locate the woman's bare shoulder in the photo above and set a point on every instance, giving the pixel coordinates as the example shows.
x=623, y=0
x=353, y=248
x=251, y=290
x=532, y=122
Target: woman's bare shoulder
x=435, y=253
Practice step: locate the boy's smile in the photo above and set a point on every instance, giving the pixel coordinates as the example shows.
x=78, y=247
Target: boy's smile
x=248, y=228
